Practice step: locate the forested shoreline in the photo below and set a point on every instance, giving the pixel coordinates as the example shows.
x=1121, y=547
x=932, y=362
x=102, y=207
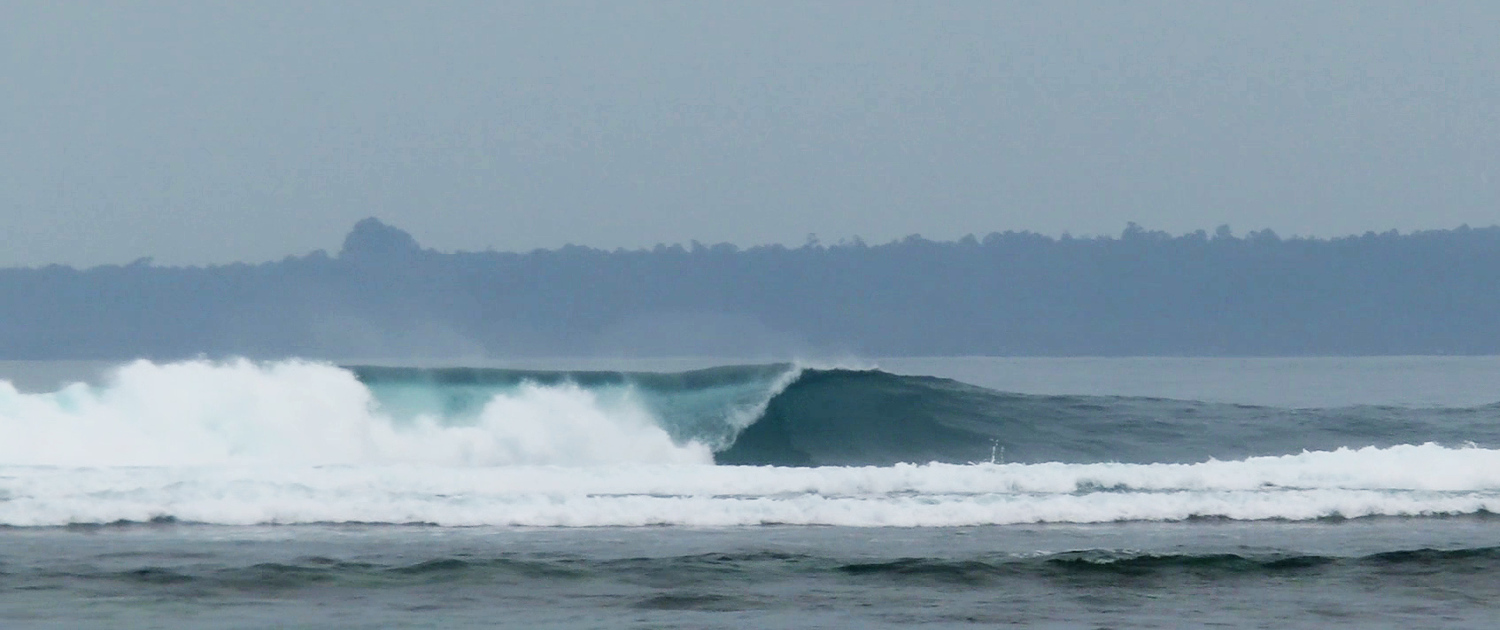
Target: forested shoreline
x=1014, y=293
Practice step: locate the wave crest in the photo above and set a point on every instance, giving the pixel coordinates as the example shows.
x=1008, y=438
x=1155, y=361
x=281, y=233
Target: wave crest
x=306, y=413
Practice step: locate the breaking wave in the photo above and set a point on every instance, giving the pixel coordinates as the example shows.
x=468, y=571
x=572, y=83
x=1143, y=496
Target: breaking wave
x=300, y=413
x=304, y=442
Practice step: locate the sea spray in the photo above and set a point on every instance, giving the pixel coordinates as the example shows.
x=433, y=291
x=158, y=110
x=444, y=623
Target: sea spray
x=199, y=413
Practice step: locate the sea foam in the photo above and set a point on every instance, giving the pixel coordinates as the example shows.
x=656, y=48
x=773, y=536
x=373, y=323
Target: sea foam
x=1410, y=480
x=305, y=413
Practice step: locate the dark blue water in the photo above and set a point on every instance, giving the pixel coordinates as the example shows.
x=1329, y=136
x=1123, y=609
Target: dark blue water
x=1370, y=574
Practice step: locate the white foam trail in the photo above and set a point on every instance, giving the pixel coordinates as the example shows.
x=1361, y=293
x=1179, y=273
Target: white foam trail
x=1410, y=480
x=200, y=413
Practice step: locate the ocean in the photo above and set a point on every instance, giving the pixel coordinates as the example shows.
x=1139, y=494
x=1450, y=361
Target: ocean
x=946, y=492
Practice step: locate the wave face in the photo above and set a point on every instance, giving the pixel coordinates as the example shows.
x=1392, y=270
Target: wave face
x=856, y=418
x=305, y=442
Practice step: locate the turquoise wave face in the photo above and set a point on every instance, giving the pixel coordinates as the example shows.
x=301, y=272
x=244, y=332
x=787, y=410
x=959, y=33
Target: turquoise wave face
x=780, y=414
x=709, y=406
x=847, y=418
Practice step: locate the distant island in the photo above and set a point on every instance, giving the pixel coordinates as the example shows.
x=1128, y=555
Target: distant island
x=1013, y=293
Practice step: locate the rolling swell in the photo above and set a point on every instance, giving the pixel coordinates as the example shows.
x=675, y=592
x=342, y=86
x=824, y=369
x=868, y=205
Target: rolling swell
x=846, y=417
x=785, y=415
x=1106, y=567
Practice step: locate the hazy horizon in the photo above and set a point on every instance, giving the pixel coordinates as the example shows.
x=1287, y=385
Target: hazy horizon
x=200, y=133
x=1142, y=292
x=809, y=239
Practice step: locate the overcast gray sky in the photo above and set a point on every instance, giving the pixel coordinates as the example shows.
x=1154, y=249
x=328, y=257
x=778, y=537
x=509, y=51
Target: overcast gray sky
x=200, y=132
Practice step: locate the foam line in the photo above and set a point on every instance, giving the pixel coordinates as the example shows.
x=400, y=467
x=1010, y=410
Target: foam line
x=1408, y=480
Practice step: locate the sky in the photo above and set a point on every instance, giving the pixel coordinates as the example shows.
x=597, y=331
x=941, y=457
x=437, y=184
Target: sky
x=213, y=132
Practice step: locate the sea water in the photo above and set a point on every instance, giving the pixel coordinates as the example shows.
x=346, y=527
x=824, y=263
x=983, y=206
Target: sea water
x=951, y=492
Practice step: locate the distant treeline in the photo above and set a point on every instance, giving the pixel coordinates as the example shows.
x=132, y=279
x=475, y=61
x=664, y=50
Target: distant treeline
x=1013, y=293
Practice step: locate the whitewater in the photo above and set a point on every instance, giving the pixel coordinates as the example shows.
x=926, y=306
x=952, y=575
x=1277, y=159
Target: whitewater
x=304, y=442
x=942, y=492
x=310, y=414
